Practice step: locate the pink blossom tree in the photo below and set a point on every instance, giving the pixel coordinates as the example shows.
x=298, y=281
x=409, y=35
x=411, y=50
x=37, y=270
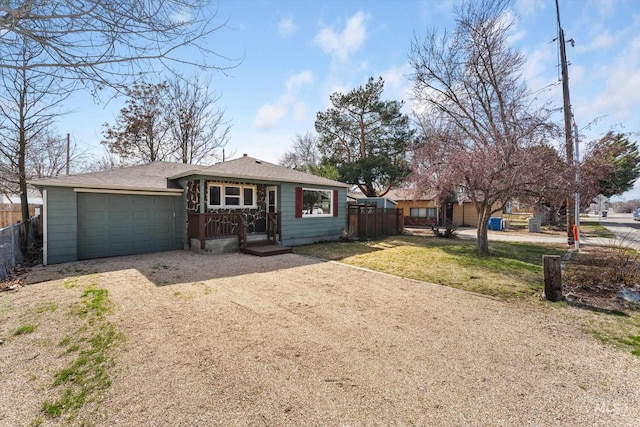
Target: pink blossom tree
x=483, y=134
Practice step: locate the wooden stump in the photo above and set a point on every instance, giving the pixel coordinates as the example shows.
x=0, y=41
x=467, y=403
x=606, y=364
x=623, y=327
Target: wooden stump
x=552, y=278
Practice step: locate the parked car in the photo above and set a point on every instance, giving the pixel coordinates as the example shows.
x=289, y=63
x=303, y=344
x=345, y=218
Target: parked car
x=636, y=215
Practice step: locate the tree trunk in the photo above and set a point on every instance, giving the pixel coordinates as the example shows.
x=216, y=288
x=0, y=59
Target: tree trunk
x=22, y=170
x=483, y=226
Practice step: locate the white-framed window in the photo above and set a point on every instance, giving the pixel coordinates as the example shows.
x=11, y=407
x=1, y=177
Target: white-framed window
x=423, y=212
x=231, y=195
x=317, y=202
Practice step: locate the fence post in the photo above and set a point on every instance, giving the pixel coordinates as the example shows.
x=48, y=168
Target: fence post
x=552, y=277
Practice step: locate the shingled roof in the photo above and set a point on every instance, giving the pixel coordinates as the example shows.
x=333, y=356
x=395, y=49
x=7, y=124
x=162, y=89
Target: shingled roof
x=150, y=176
x=161, y=176
x=248, y=168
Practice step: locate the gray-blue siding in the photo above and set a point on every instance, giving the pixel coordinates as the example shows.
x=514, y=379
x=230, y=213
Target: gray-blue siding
x=62, y=225
x=302, y=231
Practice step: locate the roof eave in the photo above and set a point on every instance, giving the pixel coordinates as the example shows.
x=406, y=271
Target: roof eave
x=103, y=187
x=257, y=178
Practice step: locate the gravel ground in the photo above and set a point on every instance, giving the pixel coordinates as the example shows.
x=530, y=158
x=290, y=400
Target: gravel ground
x=288, y=340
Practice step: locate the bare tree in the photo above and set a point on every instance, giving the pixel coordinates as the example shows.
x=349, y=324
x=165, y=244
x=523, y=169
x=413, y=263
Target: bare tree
x=163, y=121
x=108, y=41
x=479, y=119
x=94, y=43
x=305, y=155
x=141, y=132
x=197, y=128
x=29, y=103
x=50, y=154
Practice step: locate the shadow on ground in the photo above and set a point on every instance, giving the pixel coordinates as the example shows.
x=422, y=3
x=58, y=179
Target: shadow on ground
x=168, y=268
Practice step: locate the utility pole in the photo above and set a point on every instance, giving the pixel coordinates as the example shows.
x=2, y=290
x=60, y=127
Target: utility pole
x=567, y=121
x=68, y=149
x=577, y=207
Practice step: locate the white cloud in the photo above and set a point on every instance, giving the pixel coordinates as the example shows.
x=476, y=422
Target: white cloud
x=286, y=28
x=349, y=40
x=296, y=81
x=604, y=8
x=397, y=87
x=602, y=40
x=528, y=8
x=618, y=83
x=300, y=111
x=270, y=114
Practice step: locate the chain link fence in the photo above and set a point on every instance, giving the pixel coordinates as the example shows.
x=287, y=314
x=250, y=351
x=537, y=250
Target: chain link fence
x=10, y=245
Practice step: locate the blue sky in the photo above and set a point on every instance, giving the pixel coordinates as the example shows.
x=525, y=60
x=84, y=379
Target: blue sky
x=296, y=53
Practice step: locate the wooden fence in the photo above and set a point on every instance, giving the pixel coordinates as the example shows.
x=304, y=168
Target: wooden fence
x=11, y=213
x=369, y=221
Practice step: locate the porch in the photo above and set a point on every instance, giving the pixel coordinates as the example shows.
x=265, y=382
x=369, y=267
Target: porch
x=227, y=232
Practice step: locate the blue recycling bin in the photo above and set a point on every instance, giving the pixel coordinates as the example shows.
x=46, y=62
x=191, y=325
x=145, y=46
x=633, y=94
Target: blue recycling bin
x=495, y=224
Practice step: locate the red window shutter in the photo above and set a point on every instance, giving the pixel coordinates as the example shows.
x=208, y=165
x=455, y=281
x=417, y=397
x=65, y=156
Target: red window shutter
x=298, y=202
x=335, y=202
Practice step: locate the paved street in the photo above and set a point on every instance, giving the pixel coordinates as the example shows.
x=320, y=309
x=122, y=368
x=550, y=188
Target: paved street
x=622, y=225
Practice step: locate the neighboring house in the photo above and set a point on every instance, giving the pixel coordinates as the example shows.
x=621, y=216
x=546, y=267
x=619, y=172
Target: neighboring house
x=425, y=210
x=164, y=206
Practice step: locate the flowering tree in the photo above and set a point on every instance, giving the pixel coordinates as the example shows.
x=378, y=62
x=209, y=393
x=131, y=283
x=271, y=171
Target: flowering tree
x=480, y=129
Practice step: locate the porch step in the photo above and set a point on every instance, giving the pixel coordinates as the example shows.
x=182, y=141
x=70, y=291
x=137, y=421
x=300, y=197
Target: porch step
x=267, y=250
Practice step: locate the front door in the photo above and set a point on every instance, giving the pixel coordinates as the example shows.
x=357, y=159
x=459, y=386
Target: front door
x=272, y=199
x=272, y=208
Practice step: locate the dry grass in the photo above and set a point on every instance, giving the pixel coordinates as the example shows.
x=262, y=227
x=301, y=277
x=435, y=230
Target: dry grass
x=289, y=340
x=512, y=270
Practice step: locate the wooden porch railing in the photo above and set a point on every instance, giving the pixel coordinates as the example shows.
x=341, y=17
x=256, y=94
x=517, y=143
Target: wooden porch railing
x=212, y=225
x=274, y=227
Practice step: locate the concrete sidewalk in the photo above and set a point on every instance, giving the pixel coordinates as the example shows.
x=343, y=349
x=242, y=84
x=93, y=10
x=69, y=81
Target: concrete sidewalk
x=508, y=236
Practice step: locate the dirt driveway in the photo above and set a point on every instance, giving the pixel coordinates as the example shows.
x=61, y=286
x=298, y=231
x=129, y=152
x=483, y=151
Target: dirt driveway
x=288, y=340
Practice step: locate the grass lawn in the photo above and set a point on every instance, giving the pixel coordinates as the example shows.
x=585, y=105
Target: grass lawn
x=595, y=229
x=512, y=270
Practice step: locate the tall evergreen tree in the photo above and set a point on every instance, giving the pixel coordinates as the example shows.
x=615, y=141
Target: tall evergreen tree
x=366, y=138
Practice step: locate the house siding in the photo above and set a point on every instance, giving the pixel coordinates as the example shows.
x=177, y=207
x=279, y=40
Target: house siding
x=465, y=214
x=302, y=231
x=62, y=225
x=180, y=221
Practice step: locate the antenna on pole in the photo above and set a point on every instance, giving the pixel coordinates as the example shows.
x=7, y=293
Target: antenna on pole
x=68, y=150
x=567, y=121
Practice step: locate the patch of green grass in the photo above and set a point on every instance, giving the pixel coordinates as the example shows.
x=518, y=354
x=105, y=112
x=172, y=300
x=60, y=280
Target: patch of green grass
x=595, y=229
x=47, y=307
x=510, y=270
x=88, y=372
x=71, y=282
x=634, y=342
x=25, y=329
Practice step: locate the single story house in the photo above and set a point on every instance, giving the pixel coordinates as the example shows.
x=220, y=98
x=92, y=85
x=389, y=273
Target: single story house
x=163, y=206
x=425, y=210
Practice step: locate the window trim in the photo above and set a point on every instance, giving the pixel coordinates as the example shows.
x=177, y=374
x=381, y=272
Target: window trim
x=427, y=210
x=330, y=212
x=223, y=195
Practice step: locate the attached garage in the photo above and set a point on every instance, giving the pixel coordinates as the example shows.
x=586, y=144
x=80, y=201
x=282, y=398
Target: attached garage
x=124, y=224
x=118, y=212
